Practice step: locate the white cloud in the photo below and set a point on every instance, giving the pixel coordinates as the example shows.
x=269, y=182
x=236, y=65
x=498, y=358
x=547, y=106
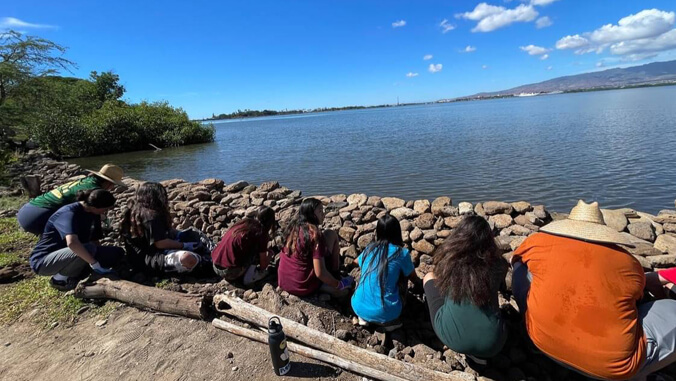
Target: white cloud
x=533, y=50
x=445, y=26
x=427, y=57
x=12, y=23
x=398, y=24
x=572, y=42
x=635, y=37
x=434, y=68
x=550, y=67
x=600, y=64
x=543, y=22
x=484, y=67
x=492, y=17
x=541, y=2
x=469, y=49
x=411, y=74
x=666, y=41
x=544, y=57
x=645, y=24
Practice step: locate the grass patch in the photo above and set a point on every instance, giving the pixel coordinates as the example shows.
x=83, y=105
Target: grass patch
x=11, y=202
x=7, y=259
x=163, y=284
x=12, y=238
x=36, y=293
x=105, y=310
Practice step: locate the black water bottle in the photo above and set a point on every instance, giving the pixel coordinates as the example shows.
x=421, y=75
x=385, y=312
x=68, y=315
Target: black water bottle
x=278, y=349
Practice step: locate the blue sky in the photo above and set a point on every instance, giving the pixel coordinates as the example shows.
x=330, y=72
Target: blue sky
x=215, y=57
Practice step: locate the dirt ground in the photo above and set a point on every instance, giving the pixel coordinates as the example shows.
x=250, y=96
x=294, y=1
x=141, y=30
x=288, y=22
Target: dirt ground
x=139, y=345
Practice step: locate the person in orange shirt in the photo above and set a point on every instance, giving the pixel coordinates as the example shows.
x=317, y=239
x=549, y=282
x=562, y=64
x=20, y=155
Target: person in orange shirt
x=580, y=293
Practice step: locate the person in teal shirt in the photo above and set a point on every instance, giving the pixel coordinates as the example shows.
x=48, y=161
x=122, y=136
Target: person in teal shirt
x=33, y=216
x=462, y=292
x=386, y=267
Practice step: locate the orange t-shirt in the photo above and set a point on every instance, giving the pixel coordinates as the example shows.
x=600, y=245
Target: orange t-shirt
x=582, y=304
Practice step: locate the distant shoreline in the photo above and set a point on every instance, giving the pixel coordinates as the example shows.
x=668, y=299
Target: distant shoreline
x=264, y=113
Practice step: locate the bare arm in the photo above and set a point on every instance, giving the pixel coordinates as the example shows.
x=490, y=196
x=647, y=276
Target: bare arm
x=323, y=274
x=168, y=244
x=78, y=248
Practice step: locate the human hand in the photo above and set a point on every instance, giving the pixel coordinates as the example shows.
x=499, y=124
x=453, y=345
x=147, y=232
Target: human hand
x=191, y=246
x=345, y=283
x=97, y=268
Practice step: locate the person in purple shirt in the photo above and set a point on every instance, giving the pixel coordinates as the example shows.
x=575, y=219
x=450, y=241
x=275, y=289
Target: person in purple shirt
x=68, y=245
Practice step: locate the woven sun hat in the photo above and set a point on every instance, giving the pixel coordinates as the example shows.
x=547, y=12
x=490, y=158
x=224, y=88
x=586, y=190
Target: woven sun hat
x=112, y=173
x=586, y=223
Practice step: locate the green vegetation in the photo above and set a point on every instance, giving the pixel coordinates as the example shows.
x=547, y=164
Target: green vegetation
x=163, y=284
x=36, y=294
x=7, y=203
x=7, y=259
x=78, y=117
x=13, y=239
x=258, y=113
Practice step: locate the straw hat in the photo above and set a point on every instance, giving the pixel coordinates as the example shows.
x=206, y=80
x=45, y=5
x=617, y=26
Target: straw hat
x=586, y=222
x=112, y=173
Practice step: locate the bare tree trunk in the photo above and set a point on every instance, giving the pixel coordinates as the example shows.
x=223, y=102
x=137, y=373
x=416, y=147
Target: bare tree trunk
x=239, y=309
x=175, y=303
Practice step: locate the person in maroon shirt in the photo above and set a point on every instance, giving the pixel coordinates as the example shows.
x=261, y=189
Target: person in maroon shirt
x=243, y=251
x=310, y=259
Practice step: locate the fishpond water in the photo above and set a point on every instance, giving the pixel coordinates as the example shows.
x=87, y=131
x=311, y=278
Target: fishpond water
x=617, y=147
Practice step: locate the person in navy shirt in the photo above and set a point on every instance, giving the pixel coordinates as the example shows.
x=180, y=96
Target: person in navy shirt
x=68, y=246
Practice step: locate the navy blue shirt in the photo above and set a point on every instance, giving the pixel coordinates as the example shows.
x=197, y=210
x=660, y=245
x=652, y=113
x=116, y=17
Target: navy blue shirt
x=69, y=219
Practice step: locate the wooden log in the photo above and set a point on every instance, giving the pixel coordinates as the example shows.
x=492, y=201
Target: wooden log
x=239, y=309
x=175, y=303
x=308, y=352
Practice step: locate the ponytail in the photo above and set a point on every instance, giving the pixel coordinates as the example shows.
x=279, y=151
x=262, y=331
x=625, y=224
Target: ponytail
x=96, y=198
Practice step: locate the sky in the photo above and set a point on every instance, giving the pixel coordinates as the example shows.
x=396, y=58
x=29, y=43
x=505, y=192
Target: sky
x=218, y=57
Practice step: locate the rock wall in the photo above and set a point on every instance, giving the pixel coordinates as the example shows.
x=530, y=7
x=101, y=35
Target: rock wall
x=213, y=206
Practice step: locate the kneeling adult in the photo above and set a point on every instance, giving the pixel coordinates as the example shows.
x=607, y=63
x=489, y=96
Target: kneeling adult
x=69, y=241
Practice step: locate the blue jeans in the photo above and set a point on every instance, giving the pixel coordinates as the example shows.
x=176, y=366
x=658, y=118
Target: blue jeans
x=33, y=219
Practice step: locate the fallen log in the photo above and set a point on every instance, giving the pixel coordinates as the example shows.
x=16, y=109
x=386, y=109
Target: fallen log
x=241, y=310
x=308, y=352
x=175, y=303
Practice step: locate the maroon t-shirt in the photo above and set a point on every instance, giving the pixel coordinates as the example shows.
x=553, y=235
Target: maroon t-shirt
x=238, y=249
x=297, y=276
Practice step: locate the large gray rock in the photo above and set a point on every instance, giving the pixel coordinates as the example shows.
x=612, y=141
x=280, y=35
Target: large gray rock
x=423, y=247
x=346, y=233
x=522, y=207
x=392, y=203
x=439, y=203
x=364, y=240
x=465, y=208
x=615, y=219
x=497, y=207
x=666, y=217
x=421, y=206
x=642, y=230
x=357, y=198
x=425, y=221
x=501, y=221
x=666, y=243
x=669, y=227
x=403, y=213
x=662, y=261
x=236, y=187
x=416, y=234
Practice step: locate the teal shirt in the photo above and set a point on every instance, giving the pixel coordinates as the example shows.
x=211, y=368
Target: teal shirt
x=466, y=328
x=66, y=194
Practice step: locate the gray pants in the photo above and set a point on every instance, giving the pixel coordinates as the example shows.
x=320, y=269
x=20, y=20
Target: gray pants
x=66, y=262
x=657, y=319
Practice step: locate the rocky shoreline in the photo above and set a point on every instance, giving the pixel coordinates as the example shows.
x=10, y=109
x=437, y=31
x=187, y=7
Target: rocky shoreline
x=212, y=206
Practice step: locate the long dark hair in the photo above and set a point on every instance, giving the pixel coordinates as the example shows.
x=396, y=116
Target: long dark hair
x=303, y=234
x=388, y=231
x=96, y=198
x=149, y=202
x=264, y=221
x=465, y=262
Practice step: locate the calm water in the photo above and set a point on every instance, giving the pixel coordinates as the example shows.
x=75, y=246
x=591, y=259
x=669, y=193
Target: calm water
x=617, y=147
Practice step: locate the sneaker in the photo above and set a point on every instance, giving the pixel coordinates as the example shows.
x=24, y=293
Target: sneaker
x=64, y=285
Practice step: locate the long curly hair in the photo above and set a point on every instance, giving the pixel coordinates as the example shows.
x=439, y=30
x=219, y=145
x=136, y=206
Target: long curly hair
x=303, y=234
x=149, y=202
x=465, y=262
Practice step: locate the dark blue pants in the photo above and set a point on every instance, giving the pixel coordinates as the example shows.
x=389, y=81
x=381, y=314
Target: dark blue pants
x=33, y=218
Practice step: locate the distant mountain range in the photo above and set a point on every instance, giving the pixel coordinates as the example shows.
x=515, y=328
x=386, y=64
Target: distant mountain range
x=656, y=73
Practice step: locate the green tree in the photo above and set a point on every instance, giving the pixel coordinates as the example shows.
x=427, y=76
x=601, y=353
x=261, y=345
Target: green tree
x=107, y=86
